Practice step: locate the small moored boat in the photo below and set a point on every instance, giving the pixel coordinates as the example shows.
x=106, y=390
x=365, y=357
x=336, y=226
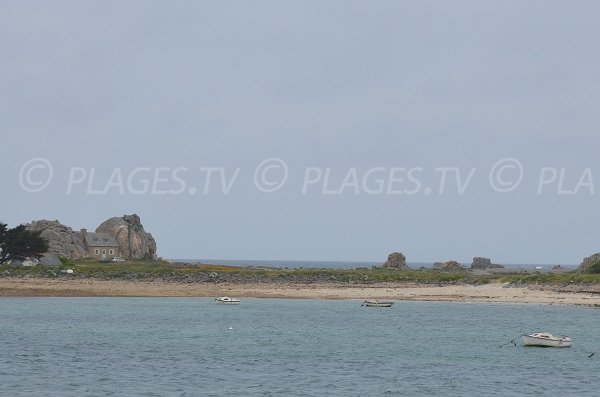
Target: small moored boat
x=225, y=300
x=546, y=339
x=377, y=303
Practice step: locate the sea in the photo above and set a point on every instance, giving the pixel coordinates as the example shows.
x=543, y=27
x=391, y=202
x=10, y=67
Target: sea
x=284, y=347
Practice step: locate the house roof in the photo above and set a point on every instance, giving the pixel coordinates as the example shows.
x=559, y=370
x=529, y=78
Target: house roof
x=100, y=240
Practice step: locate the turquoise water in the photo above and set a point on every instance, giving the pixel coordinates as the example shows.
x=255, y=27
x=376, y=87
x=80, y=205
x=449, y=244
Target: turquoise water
x=183, y=347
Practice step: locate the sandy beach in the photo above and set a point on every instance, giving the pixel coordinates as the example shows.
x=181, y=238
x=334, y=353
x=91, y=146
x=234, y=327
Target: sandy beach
x=498, y=293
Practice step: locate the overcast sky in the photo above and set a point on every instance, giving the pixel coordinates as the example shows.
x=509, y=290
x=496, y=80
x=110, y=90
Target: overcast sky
x=346, y=96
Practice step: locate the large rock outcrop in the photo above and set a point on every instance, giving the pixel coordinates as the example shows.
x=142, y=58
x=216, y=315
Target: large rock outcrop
x=62, y=240
x=134, y=242
x=484, y=263
x=396, y=260
x=585, y=266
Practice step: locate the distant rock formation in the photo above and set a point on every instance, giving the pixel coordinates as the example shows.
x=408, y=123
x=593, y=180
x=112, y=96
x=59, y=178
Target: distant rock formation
x=396, y=260
x=588, y=262
x=62, y=240
x=449, y=265
x=484, y=263
x=133, y=240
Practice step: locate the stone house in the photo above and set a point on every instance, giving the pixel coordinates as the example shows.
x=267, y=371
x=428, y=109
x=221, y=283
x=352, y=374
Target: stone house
x=100, y=245
x=124, y=237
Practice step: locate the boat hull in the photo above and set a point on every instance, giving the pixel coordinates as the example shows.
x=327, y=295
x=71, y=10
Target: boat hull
x=377, y=304
x=529, y=340
x=225, y=300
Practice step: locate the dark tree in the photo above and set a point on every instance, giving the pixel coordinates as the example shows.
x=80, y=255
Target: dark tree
x=3, y=230
x=19, y=243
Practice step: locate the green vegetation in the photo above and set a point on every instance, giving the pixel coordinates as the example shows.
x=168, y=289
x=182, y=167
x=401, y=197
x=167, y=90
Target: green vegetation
x=19, y=243
x=551, y=278
x=66, y=261
x=594, y=268
x=179, y=272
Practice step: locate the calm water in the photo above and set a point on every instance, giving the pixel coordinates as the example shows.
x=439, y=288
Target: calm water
x=183, y=347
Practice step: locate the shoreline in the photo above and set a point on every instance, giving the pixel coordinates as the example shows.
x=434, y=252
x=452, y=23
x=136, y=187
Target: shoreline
x=485, y=293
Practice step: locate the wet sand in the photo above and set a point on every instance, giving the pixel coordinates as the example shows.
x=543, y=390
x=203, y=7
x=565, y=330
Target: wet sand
x=498, y=293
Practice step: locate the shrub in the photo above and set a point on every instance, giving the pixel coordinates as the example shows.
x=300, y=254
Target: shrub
x=66, y=261
x=594, y=268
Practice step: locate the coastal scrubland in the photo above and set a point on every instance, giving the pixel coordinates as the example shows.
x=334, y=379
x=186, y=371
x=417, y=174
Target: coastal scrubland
x=90, y=278
x=209, y=273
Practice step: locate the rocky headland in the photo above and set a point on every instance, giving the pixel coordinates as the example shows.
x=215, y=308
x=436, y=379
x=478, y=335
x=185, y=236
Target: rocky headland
x=134, y=242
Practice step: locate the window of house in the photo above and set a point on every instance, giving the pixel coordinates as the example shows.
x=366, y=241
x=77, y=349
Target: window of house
x=103, y=252
x=96, y=252
x=111, y=252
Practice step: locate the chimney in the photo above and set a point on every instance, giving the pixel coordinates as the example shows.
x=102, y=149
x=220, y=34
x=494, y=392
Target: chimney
x=83, y=233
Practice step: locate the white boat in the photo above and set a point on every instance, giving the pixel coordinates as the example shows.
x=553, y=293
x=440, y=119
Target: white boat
x=377, y=303
x=225, y=300
x=546, y=339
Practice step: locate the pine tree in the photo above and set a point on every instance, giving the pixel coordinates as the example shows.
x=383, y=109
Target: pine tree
x=19, y=243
